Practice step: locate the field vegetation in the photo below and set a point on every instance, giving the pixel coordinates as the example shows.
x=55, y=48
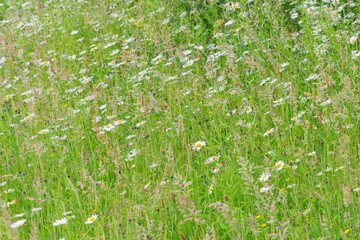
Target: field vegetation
x=179, y=119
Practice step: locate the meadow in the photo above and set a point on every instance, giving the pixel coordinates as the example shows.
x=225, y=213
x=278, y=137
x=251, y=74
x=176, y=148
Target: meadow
x=179, y=119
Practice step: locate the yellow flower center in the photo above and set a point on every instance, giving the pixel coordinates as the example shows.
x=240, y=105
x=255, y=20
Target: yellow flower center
x=198, y=145
x=92, y=219
x=279, y=165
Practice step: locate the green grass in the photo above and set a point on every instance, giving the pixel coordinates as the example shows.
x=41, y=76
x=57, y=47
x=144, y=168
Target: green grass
x=266, y=93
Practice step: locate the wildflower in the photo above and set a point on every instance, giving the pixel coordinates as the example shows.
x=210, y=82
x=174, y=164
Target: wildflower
x=118, y=122
x=234, y=6
x=188, y=63
x=287, y=84
x=147, y=185
x=307, y=211
x=62, y=221
x=132, y=153
x=264, y=177
x=265, y=189
x=250, y=125
x=154, y=165
x=339, y=168
x=232, y=112
x=312, y=154
x=187, y=183
x=130, y=136
x=268, y=132
x=116, y=51
x=211, y=159
x=45, y=63
x=18, y=223
x=285, y=64
x=123, y=193
x=229, y=23
x=108, y=127
x=248, y=109
x=279, y=101
x=294, y=15
x=9, y=96
x=198, y=145
x=44, y=131
x=73, y=57
x=19, y=215
x=36, y=209
x=279, y=165
x=187, y=52
x=312, y=77
x=211, y=189
x=317, y=31
x=291, y=186
x=30, y=116
x=91, y=219
x=347, y=231
x=353, y=39
x=139, y=124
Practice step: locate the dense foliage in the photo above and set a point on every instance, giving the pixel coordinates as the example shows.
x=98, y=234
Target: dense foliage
x=179, y=119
